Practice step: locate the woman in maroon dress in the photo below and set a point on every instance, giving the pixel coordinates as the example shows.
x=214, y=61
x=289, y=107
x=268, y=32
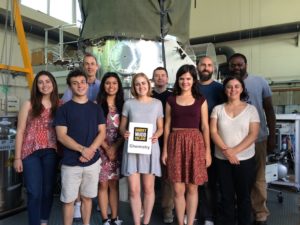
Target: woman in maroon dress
x=186, y=151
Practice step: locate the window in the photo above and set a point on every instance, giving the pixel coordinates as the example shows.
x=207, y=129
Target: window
x=61, y=10
x=40, y=5
x=78, y=19
x=66, y=10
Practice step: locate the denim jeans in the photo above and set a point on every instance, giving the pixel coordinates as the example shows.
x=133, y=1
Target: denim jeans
x=39, y=171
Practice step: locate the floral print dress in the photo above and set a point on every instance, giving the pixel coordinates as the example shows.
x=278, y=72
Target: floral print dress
x=110, y=170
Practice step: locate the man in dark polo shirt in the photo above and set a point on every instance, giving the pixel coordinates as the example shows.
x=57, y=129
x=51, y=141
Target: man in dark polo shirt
x=160, y=91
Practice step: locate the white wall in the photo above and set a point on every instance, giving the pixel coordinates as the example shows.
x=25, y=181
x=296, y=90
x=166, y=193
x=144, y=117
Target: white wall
x=275, y=57
x=215, y=16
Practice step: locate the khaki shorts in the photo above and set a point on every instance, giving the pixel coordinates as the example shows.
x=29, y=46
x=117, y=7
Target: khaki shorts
x=77, y=179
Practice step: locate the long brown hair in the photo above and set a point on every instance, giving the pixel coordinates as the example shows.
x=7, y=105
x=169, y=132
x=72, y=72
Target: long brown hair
x=36, y=96
x=102, y=95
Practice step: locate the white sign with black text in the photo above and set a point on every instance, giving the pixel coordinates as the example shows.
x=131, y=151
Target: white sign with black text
x=139, y=141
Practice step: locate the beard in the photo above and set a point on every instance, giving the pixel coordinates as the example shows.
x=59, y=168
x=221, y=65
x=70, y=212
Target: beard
x=239, y=73
x=205, y=77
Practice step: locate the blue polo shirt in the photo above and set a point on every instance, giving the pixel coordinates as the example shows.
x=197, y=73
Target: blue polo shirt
x=92, y=92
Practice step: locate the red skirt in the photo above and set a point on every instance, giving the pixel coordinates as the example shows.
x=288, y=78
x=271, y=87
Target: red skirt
x=186, y=157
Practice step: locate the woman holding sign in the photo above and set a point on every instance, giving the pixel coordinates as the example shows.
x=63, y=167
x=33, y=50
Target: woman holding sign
x=141, y=162
x=186, y=151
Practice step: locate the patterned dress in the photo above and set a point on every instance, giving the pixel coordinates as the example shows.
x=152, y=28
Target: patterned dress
x=110, y=170
x=39, y=134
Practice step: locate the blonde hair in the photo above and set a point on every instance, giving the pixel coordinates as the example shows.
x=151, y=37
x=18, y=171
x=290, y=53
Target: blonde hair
x=133, y=91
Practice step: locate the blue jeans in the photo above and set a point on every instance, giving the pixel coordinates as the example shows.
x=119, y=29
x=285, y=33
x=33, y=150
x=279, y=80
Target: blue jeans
x=39, y=171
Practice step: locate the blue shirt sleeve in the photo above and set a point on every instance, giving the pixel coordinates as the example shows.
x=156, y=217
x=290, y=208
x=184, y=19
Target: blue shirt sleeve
x=101, y=118
x=67, y=95
x=60, y=117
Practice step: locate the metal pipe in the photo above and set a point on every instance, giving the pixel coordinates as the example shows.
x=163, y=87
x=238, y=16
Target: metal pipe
x=38, y=29
x=284, y=89
x=46, y=49
x=61, y=43
x=224, y=50
x=162, y=31
x=248, y=34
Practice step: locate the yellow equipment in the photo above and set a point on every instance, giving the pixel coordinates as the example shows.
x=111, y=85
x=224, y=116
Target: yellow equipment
x=27, y=69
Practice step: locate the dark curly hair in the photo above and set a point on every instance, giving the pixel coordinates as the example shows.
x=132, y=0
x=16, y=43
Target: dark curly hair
x=77, y=72
x=244, y=95
x=193, y=71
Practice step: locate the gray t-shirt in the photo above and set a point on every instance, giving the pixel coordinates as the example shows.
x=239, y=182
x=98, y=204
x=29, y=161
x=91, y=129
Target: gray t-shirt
x=140, y=112
x=258, y=89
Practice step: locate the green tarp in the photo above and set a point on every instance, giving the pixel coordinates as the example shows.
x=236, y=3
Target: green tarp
x=134, y=19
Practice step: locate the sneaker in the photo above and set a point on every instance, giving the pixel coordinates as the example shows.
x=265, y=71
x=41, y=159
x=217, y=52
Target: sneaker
x=208, y=222
x=77, y=212
x=117, y=222
x=168, y=219
x=185, y=219
x=107, y=222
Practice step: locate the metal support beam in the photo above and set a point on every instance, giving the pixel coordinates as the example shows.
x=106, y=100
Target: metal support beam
x=27, y=69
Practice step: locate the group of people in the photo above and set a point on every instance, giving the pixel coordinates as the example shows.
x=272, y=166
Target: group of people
x=207, y=138
x=242, y=128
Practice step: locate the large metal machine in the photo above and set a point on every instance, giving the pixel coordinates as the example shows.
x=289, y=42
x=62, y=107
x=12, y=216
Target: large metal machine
x=137, y=36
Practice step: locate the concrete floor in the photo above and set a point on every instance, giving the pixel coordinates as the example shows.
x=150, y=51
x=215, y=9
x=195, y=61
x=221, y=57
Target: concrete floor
x=285, y=213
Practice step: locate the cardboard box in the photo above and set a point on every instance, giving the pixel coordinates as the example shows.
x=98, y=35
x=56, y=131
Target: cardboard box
x=37, y=57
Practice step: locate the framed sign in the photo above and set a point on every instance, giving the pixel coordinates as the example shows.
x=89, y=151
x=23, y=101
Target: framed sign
x=139, y=141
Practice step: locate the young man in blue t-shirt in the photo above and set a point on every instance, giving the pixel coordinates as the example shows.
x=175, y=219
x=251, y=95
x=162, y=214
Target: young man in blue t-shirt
x=80, y=127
